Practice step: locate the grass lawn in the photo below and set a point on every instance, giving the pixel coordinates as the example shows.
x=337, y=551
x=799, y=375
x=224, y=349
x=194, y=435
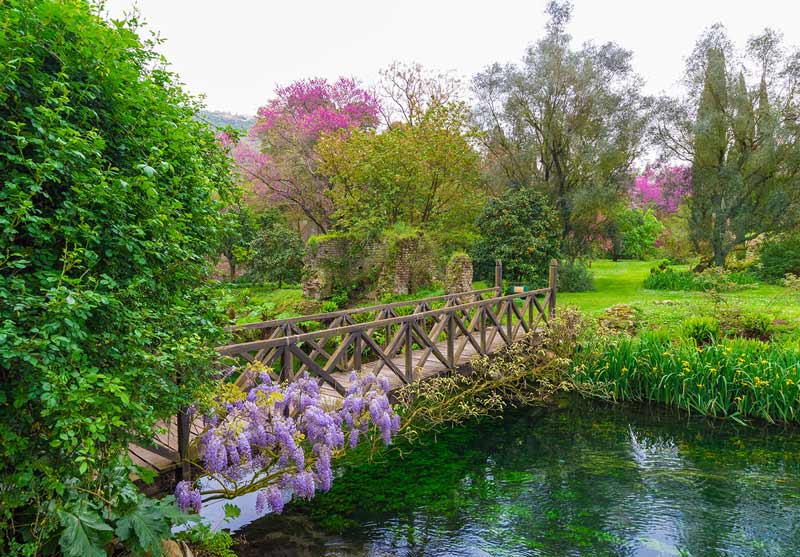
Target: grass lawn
x=621, y=283
x=615, y=283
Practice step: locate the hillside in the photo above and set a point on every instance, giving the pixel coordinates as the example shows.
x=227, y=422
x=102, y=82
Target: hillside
x=221, y=119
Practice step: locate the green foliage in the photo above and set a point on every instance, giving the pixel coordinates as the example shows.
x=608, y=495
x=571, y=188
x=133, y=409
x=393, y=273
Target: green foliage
x=240, y=228
x=557, y=123
x=741, y=322
x=674, y=243
x=574, y=276
x=779, y=257
x=110, y=211
x=640, y=229
x=739, y=130
x=664, y=277
x=521, y=229
x=276, y=253
x=329, y=306
x=206, y=542
x=84, y=533
x=424, y=174
x=736, y=379
x=702, y=329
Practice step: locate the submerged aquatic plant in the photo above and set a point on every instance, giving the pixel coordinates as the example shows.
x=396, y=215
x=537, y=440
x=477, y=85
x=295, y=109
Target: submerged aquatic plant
x=279, y=439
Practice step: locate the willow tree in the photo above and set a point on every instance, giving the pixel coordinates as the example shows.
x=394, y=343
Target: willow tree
x=740, y=137
x=568, y=122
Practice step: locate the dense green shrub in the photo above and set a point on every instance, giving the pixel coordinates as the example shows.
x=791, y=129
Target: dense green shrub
x=740, y=322
x=574, y=276
x=780, y=257
x=276, y=251
x=742, y=278
x=639, y=229
x=664, y=277
x=110, y=211
x=702, y=329
x=521, y=229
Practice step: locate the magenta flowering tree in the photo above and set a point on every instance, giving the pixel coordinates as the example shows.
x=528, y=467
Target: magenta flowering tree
x=278, y=156
x=279, y=440
x=662, y=187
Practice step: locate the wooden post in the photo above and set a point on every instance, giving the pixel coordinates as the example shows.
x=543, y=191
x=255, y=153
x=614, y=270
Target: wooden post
x=184, y=428
x=482, y=325
x=357, y=353
x=451, y=333
x=553, y=281
x=510, y=313
x=409, y=359
x=287, y=364
x=498, y=277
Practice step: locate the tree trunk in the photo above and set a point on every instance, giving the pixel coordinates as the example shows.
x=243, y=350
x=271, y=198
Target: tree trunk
x=718, y=241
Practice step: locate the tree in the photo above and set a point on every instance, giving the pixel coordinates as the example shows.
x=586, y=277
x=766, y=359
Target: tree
x=639, y=230
x=568, y=122
x=278, y=157
x=408, y=91
x=662, y=188
x=110, y=211
x=239, y=232
x=521, y=229
x=741, y=140
x=276, y=252
x=425, y=175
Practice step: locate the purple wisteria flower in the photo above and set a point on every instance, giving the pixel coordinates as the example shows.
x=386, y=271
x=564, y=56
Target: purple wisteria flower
x=285, y=437
x=188, y=498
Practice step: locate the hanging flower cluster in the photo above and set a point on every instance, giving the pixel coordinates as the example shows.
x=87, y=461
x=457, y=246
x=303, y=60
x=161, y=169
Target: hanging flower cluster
x=279, y=440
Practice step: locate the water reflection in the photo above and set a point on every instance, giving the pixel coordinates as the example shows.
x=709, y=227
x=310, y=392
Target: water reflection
x=588, y=480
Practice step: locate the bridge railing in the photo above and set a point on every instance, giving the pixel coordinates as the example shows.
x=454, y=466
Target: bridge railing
x=401, y=343
x=278, y=328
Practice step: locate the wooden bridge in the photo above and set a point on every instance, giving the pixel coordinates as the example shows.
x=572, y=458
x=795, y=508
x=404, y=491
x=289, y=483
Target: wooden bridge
x=401, y=341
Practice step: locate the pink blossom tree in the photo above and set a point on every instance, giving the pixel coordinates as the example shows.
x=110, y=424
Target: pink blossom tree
x=662, y=188
x=278, y=156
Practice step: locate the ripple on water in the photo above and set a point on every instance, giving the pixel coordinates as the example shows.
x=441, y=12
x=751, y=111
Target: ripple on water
x=586, y=480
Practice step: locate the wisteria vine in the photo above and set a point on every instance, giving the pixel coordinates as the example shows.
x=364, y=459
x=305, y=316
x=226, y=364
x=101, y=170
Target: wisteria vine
x=280, y=439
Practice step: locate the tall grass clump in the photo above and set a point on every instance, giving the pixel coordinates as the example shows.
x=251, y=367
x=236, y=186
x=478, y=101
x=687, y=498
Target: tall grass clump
x=736, y=378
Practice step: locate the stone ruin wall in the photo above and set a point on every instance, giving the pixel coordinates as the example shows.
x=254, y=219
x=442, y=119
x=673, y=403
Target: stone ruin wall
x=378, y=268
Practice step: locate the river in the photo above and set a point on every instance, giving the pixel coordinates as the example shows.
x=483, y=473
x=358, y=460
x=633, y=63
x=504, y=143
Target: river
x=585, y=479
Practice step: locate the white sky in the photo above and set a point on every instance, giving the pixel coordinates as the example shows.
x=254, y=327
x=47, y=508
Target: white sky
x=235, y=52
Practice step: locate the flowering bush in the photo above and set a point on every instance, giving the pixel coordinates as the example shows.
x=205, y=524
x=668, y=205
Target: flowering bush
x=279, y=440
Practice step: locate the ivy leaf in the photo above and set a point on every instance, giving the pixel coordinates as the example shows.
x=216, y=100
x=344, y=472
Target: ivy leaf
x=231, y=511
x=85, y=533
x=143, y=528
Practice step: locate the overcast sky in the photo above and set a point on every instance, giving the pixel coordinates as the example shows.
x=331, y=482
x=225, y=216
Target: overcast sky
x=236, y=51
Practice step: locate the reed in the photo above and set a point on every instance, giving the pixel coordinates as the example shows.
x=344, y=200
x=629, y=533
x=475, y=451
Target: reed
x=738, y=379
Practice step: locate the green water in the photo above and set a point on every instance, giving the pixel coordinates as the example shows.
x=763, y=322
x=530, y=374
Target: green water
x=586, y=480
